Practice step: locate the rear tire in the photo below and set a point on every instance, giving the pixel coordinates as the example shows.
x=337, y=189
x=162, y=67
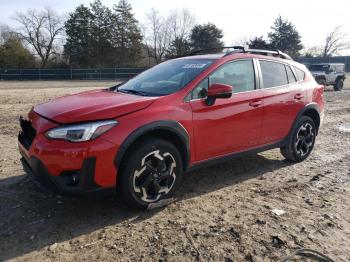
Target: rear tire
x=151, y=172
x=302, y=140
x=339, y=85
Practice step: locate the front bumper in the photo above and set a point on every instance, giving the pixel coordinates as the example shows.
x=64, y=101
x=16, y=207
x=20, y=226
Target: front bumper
x=65, y=167
x=39, y=174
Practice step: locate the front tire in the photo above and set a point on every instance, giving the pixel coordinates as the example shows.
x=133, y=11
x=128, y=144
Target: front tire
x=151, y=172
x=302, y=140
x=339, y=85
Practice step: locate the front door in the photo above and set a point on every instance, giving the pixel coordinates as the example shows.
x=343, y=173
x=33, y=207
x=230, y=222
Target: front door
x=230, y=125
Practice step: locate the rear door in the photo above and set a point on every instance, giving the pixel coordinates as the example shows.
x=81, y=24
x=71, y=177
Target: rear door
x=230, y=125
x=282, y=99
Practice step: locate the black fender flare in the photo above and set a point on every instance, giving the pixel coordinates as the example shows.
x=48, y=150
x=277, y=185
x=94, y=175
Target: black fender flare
x=340, y=78
x=166, y=125
x=321, y=77
x=314, y=107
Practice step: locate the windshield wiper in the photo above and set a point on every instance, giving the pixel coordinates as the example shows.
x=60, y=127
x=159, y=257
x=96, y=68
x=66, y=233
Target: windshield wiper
x=134, y=92
x=115, y=88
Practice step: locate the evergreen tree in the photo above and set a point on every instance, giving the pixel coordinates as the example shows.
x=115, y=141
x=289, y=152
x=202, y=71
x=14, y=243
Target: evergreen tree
x=127, y=38
x=206, y=36
x=100, y=37
x=285, y=37
x=101, y=27
x=258, y=43
x=78, y=36
x=178, y=47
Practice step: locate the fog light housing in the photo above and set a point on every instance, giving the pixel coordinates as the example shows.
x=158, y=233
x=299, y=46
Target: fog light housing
x=75, y=178
x=70, y=178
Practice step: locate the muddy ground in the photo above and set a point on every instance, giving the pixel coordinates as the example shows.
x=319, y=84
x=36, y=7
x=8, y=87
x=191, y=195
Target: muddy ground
x=223, y=212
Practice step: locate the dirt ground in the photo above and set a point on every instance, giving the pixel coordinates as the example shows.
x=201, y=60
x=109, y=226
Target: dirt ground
x=222, y=213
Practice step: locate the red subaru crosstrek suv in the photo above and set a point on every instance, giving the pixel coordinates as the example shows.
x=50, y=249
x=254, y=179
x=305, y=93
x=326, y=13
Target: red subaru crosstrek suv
x=141, y=136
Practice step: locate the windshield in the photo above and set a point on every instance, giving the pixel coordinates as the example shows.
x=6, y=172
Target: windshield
x=165, y=78
x=318, y=67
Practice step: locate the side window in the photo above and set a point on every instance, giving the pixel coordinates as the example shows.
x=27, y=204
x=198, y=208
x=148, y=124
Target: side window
x=340, y=69
x=290, y=74
x=299, y=74
x=239, y=74
x=273, y=74
x=201, y=90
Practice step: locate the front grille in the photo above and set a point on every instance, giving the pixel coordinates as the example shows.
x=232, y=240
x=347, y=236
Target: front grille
x=27, y=133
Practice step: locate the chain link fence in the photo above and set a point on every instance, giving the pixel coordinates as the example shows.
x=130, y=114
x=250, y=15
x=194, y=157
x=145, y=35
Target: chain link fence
x=335, y=59
x=69, y=74
x=120, y=73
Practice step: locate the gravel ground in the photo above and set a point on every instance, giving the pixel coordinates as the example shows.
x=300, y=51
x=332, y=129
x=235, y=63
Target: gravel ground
x=222, y=213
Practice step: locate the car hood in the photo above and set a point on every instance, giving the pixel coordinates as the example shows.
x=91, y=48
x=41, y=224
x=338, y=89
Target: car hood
x=317, y=73
x=92, y=105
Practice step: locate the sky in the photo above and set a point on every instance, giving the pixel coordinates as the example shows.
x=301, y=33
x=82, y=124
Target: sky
x=240, y=20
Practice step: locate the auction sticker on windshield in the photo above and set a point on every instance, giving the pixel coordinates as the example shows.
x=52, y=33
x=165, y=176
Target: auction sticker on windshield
x=194, y=65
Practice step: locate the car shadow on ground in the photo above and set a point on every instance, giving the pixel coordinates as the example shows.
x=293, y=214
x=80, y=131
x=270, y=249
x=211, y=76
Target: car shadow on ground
x=34, y=220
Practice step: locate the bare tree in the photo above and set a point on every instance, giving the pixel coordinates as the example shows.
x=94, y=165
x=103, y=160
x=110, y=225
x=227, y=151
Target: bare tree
x=168, y=36
x=6, y=33
x=40, y=29
x=335, y=42
x=313, y=51
x=147, y=48
x=181, y=23
x=158, y=33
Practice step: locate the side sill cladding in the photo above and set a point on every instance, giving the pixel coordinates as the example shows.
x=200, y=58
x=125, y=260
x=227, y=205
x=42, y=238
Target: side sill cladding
x=163, y=126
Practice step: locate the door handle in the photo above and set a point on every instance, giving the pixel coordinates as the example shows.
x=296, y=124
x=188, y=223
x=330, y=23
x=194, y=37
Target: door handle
x=298, y=96
x=255, y=103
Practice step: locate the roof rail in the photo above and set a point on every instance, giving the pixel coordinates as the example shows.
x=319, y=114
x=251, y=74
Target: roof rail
x=240, y=48
x=277, y=53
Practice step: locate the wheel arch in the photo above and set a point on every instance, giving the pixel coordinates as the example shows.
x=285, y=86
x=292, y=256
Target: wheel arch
x=341, y=77
x=169, y=130
x=321, y=77
x=312, y=111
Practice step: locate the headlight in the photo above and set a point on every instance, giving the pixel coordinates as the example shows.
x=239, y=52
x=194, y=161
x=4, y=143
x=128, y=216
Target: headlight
x=81, y=132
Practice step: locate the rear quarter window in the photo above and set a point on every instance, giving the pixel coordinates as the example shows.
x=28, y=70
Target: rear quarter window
x=291, y=76
x=340, y=68
x=273, y=74
x=300, y=74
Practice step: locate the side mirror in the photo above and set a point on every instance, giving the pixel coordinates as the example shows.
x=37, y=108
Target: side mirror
x=218, y=91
